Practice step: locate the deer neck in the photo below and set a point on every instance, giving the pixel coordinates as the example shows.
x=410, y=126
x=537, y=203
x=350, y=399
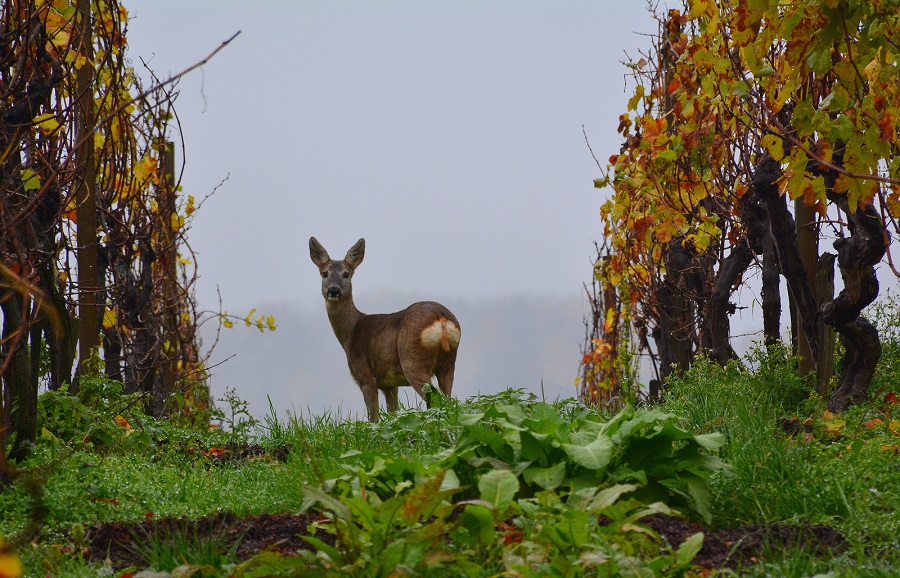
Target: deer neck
x=344, y=317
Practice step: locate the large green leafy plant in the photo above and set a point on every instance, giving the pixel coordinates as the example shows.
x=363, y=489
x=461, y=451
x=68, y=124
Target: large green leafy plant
x=524, y=487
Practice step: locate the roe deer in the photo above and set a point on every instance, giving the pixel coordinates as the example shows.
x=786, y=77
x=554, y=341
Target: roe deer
x=390, y=350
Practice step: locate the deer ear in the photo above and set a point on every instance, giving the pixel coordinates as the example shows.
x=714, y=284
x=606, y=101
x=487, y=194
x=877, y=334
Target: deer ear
x=355, y=254
x=317, y=253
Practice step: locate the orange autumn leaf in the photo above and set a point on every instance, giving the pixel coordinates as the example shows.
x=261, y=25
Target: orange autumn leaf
x=124, y=423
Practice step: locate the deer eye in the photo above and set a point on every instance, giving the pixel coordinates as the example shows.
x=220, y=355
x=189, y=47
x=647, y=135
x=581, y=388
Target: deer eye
x=324, y=274
x=345, y=275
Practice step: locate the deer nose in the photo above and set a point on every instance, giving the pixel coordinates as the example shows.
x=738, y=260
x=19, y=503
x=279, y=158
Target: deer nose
x=333, y=293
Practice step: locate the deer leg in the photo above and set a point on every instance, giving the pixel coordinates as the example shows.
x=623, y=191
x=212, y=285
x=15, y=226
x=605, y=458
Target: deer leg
x=418, y=369
x=417, y=385
x=417, y=380
x=445, y=379
x=390, y=397
x=446, y=367
x=370, y=396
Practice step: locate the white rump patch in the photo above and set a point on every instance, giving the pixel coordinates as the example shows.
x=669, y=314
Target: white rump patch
x=443, y=334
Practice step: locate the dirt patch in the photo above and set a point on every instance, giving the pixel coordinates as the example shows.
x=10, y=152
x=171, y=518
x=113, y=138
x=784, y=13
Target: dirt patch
x=241, y=453
x=118, y=541
x=722, y=548
x=747, y=545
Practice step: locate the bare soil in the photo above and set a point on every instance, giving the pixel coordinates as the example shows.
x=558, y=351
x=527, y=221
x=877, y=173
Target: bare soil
x=747, y=545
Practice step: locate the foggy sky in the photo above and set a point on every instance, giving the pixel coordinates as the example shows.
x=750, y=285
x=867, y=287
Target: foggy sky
x=449, y=135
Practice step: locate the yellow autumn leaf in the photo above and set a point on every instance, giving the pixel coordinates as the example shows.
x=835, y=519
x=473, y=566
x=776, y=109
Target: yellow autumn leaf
x=834, y=425
x=227, y=323
x=270, y=321
x=184, y=261
x=610, y=322
x=247, y=321
x=190, y=207
x=146, y=168
x=177, y=221
x=109, y=318
x=47, y=123
x=58, y=40
x=73, y=57
x=260, y=325
x=773, y=146
x=634, y=100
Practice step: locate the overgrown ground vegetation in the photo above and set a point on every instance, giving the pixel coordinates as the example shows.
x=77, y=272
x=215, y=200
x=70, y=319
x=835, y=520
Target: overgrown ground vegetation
x=493, y=484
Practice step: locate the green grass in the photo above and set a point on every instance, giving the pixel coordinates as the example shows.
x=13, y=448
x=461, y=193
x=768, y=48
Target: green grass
x=844, y=473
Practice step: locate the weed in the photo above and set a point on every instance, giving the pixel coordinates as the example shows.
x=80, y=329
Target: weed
x=166, y=548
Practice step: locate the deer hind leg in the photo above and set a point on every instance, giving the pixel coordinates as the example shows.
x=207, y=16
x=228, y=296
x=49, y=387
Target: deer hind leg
x=444, y=373
x=390, y=397
x=370, y=396
x=417, y=385
x=418, y=370
x=417, y=378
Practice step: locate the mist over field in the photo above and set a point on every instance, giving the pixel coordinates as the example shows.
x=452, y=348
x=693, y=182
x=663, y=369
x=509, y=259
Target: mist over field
x=518, y=341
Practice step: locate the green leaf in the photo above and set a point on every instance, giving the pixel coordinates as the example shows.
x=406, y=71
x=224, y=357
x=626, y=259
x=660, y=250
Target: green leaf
x=274, y=564
x=498, y=487
x=479, y=521
x=594, y=456
x=697, y=489
x=536, y=447
x=741, y=89
x=470, y=419
x=319, y=545
x=668, y=156
x=513, y=413
x=544, y=418
x=842, y=129
x=314, y=495
x=819, y=61
x=487, y=439
x=609, y=496
x=688, y=549
x=30, y=180
x=711, y=441
x=547, y=478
